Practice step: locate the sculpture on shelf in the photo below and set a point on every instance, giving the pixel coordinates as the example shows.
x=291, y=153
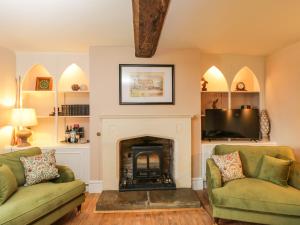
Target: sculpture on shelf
x=265, y=127
x=214, y=104
x=204, y=83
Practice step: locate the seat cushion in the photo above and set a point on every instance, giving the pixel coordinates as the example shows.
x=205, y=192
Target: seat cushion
x=258, y=195
x=33, y=202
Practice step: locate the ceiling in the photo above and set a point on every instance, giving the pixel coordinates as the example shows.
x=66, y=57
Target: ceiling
x=255, y=27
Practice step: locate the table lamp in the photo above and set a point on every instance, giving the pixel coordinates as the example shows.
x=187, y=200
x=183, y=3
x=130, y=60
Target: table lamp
x=23, y=118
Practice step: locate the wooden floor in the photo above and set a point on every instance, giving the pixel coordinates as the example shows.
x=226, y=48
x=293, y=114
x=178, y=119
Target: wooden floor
x=186, y=217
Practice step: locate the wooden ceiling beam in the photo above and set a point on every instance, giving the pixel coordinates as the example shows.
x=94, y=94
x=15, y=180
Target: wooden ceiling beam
x=148, y=20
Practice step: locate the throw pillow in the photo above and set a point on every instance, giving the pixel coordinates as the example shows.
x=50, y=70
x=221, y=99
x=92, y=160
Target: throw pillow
x=275, y=170
x=230, y=166
x=294, y=178
x=8, y=183
x=40, y=168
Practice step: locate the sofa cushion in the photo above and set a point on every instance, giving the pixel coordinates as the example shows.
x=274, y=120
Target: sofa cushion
x=294, y=179
x=8, y=183
x=251, y=156
x=275, y=170
x=12, y=160
x=230, y=166
x=40, y=168
x=253, y=194
x=33, y=202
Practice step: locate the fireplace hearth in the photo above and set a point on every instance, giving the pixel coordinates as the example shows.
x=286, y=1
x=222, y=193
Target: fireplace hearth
x=146, y=163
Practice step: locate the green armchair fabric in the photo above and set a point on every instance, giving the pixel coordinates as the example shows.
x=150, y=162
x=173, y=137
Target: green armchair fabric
x=65, y=175
x=252, y=199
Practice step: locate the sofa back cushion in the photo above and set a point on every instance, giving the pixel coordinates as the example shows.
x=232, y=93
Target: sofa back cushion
x=12, y=160
x=252, y=156
x=294, y=179
x=8, y=183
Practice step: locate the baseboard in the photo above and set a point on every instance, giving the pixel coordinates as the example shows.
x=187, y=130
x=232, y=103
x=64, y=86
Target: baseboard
x=197, y=183
x=95, y=186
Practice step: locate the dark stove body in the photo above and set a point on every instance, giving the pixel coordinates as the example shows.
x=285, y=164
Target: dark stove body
x=147, y=173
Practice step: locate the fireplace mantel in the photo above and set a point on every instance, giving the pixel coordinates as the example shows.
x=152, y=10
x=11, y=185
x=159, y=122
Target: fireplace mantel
x=115, y=128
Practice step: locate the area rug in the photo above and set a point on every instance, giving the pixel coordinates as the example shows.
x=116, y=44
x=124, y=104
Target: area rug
x=179, y=199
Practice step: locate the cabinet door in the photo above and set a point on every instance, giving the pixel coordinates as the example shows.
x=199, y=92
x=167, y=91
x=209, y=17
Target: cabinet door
x=77, y=160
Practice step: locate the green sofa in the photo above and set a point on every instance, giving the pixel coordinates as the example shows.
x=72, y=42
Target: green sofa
x=251, y=199
x=42, y=203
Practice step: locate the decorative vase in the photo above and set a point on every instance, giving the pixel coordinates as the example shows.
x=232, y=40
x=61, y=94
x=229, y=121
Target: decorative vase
x=264, y=125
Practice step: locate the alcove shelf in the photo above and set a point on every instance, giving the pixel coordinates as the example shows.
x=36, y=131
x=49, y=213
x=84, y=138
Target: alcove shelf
x=51, y=127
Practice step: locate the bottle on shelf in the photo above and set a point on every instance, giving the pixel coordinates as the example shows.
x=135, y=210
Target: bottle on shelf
x=67, y=134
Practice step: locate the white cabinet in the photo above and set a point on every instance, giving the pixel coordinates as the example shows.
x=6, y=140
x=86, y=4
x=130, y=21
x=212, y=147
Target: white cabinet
x=76, y=156
x=208, y=147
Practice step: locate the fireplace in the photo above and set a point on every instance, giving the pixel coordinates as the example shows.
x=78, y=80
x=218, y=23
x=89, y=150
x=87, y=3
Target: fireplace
x=146, y=163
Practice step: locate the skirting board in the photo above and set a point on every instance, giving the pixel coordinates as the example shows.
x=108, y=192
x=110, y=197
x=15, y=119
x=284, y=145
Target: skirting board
x=95, y=186
x=197, y=183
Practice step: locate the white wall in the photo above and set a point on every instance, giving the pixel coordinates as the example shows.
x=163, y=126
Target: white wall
x=283, y=95
x=7, y=93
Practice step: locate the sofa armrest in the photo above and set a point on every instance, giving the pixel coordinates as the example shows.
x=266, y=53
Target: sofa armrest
x=294, y=178
x=213, y=175
x=65, y=174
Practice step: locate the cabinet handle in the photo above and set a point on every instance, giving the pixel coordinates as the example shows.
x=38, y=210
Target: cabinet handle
x=98, y=134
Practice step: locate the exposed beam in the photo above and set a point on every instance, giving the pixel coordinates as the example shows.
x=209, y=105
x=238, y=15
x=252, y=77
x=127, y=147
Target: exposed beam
x=148, y=19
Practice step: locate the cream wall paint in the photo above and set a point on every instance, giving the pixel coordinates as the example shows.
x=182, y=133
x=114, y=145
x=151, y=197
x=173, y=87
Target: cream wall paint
x=283, y=94
x=7, y=92
x=190, y=66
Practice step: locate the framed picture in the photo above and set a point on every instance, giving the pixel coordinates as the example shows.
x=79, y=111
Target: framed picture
x=43, y=84
x=141, y=84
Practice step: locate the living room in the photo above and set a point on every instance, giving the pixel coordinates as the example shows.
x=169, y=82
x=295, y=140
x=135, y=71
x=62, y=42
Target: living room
x=70, y=67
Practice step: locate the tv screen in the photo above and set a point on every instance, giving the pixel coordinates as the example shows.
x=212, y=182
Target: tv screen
x=234, y=123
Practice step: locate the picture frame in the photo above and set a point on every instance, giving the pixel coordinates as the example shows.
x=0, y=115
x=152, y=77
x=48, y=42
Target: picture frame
x=146, y=84
x=43, y=84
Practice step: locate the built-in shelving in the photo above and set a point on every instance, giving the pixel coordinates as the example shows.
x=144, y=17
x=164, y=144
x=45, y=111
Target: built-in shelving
x=50, y=129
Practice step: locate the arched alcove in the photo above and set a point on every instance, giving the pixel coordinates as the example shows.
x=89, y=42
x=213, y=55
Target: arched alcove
x=246, y=76
x=73, y=74
x=215, y=79
x=29, y=79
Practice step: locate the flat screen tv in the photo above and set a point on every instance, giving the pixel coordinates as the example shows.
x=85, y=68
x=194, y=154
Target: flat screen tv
x=234, y=123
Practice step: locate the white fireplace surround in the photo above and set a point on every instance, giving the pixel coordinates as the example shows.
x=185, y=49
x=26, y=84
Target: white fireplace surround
x=117, y=128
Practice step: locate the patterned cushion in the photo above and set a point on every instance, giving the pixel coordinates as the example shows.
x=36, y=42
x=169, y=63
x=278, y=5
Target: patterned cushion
x=230, y=166
x=40, y=168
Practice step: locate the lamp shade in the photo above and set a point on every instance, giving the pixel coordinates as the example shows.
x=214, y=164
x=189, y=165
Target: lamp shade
x=25, y=117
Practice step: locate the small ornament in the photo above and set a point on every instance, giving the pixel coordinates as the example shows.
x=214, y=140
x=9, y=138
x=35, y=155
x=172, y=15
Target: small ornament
x=75, y=87
x=265, y=125
x=204, y=83
x=240, y=86
x=83, y=87
x=214, y=104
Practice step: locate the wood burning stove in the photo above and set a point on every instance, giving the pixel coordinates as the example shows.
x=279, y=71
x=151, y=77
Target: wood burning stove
x=147, y=161
x=147, y=166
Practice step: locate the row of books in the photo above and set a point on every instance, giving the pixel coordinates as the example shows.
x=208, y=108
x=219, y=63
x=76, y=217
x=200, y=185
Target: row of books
x=74, y=110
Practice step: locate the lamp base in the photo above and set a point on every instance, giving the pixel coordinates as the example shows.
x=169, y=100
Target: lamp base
x=22, y=136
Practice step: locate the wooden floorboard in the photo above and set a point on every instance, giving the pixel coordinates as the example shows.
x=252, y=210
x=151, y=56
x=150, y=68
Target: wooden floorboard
x=187, y=217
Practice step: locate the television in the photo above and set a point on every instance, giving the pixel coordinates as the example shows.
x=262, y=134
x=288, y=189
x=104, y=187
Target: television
x=234, y=124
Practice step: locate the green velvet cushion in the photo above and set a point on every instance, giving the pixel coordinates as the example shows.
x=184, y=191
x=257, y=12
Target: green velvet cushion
x=65, y=175
x=294, y=179
x=275, y=170
x=251, y=156
x=12, y=160
x=257, y=195
x=8, y=183
x=30, y=203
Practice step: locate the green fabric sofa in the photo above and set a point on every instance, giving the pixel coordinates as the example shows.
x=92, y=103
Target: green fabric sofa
x=251, y=199
x=42, y=203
